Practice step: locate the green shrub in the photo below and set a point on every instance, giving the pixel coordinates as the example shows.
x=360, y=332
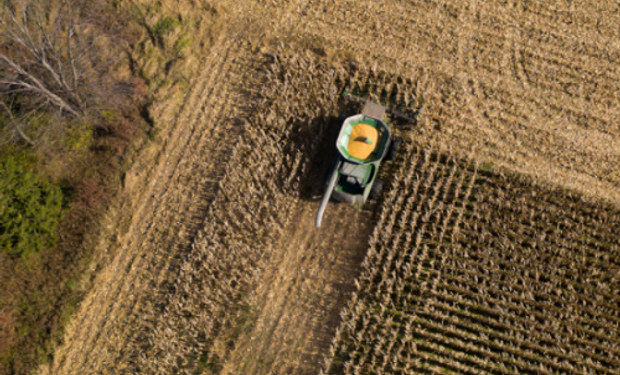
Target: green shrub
x=163, y=27
x=108, y=115
x=29, y=209
x=78, y=138
x=182, y=43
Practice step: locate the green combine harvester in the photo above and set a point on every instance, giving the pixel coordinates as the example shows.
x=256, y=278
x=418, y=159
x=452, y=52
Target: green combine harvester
x=364, y=141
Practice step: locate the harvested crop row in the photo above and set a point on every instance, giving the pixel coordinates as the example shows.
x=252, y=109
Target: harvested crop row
x=504, y=277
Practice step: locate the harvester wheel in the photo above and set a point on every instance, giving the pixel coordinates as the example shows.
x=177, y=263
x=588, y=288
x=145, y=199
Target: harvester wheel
x=394, y=148
x=375, y=191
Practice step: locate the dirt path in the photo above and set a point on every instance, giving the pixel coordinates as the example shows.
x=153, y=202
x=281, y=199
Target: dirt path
x=295, y=310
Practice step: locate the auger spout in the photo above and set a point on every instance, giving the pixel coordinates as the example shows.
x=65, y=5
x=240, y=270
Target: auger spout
x=328, y=192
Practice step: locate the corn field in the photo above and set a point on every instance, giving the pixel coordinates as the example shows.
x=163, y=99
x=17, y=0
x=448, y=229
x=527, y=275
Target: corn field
x=471, y=268
x=476, y=271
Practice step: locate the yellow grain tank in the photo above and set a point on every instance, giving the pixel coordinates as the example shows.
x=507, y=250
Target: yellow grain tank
x=363, y=141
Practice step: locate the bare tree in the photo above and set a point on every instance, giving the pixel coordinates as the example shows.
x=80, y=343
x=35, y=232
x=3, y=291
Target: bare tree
x=38, y=54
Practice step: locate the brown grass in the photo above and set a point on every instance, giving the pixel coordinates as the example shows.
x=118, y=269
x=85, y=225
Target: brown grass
x=7, y=330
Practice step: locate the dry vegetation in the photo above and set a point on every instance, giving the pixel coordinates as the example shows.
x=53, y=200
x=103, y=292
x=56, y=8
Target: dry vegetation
x=491, y=250
x=57, y=54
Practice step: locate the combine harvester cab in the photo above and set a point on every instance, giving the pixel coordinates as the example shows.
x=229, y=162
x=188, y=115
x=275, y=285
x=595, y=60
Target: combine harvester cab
x=363, y=142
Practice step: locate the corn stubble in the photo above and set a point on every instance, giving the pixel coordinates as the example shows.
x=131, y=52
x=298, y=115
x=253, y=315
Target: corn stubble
x=469, y=269
x=473, y=272
x=261, y=184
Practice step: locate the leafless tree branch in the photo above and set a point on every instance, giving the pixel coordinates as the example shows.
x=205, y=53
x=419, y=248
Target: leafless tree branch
x=16, y=125
x=70, y=34
x=36, y=86
x=51, y=59
x=24, y=25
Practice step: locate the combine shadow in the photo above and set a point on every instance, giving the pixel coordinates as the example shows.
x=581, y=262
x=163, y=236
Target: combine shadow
x=321, y=160
x=324, y=132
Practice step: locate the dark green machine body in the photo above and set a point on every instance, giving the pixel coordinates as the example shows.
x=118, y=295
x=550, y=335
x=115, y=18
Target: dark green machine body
x=352, y=180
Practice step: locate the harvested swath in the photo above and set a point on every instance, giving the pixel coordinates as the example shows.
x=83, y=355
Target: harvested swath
x=479, y=271
x=257, y=191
